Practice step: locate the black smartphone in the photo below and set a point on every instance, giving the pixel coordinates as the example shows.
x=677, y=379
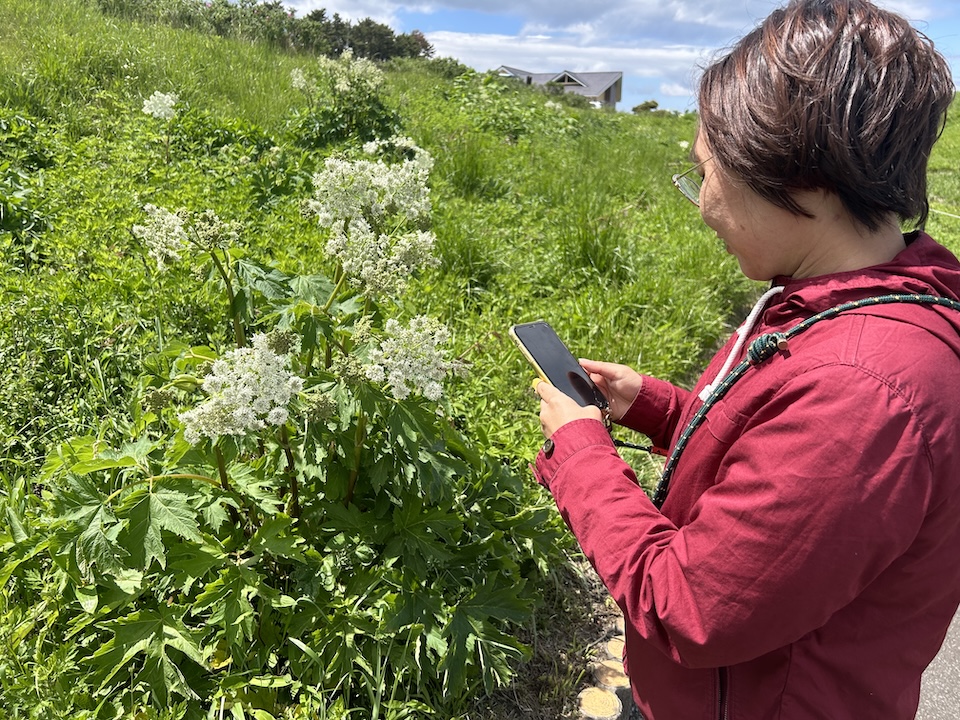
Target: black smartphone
x=555, y=363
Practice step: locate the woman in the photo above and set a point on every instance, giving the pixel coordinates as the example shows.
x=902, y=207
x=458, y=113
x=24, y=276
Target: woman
x=806, y=560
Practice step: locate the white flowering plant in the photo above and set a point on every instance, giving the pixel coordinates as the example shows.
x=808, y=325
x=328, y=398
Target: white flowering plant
x=294, y=508
x=342, y=102
x=162, y=106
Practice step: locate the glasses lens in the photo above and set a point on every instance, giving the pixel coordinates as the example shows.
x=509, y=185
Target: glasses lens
x=689, y=185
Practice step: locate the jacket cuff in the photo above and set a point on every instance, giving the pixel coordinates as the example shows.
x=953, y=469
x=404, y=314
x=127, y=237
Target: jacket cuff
x=566, y=442
x=649, y=411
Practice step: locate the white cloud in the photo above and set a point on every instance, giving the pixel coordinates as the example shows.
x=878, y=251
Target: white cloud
x=675, y=90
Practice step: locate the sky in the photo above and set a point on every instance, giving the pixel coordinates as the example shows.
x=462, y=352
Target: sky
x=659, y=45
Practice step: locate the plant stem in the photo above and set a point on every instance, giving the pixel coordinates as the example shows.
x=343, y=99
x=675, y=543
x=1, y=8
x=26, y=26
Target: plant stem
x=238, y=334
x=222, y=470
x=336, y=291
x=225, y=484
x=291, y=473
x=359, y=438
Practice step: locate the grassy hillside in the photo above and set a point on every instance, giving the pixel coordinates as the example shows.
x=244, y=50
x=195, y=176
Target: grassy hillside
x=362, y=553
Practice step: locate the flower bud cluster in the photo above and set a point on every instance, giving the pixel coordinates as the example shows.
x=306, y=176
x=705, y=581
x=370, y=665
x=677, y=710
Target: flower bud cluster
x=212, y=232
x=410, y=359
x=164, y=236
x=161, y=105
x=248, y=389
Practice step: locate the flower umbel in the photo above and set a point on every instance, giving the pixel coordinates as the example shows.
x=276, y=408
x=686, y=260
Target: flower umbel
x=161, y=105
x=248, y=389
x=410, y=358
x=164, y=236
x=375, y=212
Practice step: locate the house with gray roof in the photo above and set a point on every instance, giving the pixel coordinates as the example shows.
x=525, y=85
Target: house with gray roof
x=602, y=88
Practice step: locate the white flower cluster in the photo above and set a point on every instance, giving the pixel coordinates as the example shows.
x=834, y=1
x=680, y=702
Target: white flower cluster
x=161, y=105
x=357, y=199
x=163, y=235
x=248, y=389
x=350, y=77
x=301, y=82
x=379, y=264
x=410, y=358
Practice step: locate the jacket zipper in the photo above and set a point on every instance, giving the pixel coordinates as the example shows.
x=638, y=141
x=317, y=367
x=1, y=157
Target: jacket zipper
x=723, y=692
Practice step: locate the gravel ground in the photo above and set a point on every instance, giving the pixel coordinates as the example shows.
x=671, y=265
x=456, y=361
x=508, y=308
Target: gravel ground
x=940, y=688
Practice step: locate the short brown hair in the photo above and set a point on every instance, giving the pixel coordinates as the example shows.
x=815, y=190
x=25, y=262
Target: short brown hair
x=837, y=95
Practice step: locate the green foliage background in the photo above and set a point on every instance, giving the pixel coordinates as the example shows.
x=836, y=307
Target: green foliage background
x=541, y=210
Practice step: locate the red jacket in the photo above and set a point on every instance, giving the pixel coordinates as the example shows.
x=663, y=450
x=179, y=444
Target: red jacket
x=806, y=563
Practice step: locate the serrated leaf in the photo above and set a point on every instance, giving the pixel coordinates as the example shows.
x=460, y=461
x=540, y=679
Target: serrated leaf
x=271, y=283
x=313, y=289
x=159, y=508
x=274, y=537
x=228, y=598
x=424, y=535
x=150, y=634
x=190, y=563
x=173, y=512
x=144, y=539
x=97, y=544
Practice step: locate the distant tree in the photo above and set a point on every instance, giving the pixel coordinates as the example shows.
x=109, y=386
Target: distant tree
x=373, y=40
x=646, y=106
x=338, y=35
x=447, y=67
x=414, y=44
x=312, y=36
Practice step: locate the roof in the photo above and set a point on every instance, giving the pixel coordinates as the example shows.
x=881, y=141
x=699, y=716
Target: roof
x=590, y=84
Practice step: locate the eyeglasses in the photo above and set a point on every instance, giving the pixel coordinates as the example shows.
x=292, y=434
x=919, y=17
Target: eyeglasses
x=689, y=185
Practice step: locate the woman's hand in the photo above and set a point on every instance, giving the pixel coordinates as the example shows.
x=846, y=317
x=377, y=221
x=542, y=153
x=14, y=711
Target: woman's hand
x=618, y=383
x=557, y=409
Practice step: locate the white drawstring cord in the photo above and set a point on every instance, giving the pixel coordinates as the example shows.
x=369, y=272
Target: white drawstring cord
x=742, y=333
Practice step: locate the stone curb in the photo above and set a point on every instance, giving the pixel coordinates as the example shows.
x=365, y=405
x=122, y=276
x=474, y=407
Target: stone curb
x=609, y=697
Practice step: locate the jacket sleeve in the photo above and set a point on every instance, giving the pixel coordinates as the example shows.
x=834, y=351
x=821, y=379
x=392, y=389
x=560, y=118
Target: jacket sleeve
x=826, y=486
x=656, y=410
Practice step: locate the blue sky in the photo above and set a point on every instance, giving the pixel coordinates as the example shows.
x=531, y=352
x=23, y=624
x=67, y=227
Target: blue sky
x=659, y=45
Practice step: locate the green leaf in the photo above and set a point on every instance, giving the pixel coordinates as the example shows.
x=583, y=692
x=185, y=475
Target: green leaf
x=156, y=509
x=189, y=563
x=87, y=595
x=97, y=544
x=24, y=552
x=150, y=634
x=312, y=289
x=129, y=455
x=228, y=600
x=423, y=535
x=271, y=283
x=275, y=537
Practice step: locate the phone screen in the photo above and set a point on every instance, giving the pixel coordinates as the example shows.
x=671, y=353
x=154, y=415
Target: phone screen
x=555, y=363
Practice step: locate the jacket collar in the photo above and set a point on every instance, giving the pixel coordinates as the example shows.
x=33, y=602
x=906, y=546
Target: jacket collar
x=923, y=267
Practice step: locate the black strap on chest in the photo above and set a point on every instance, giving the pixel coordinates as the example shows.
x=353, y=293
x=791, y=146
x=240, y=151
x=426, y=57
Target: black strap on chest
x=765, y=347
